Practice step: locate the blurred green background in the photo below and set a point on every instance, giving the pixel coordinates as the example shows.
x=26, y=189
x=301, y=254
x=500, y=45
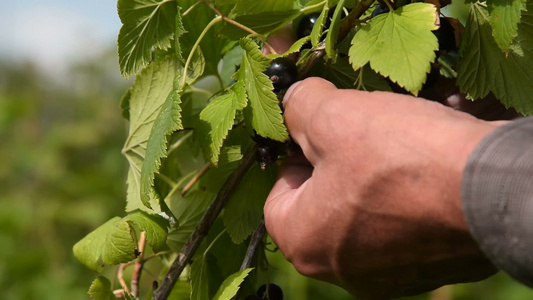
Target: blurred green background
x=62, y=175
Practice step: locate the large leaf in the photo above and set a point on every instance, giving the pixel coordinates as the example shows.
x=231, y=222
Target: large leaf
x=147, y=25
x=150, y=90
x=399, y=45
x=230, y=286
x=109, y=244
x=204, y=277
x=166, y=123
x=262, y=23
x=100, y=289
x=112, y=243
x=245, y=207
x=154, y=226
x=216, y=120
x=504, y=19
x=266, y=113
x=484, y=68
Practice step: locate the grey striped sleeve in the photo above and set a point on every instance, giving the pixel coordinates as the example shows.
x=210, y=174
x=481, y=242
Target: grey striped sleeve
x=497, y=198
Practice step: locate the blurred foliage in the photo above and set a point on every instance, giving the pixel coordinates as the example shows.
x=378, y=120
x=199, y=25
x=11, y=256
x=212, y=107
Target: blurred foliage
x=61, y=172
x=62, y=175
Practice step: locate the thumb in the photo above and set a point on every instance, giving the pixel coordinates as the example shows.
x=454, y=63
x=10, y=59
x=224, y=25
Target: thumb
x=304, y=103
x=293, y=178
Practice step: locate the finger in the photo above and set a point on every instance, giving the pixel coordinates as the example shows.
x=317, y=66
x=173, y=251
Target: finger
x=302, y=103
x=293, y=176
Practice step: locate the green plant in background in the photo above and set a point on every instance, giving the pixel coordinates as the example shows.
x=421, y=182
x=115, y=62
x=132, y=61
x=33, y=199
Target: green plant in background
x=206, y=128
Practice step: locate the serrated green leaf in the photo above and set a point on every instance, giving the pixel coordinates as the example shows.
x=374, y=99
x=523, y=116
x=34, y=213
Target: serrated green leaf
x=188, y=210
x=216, y=120
x=148, y=93
x=484, y=68
x=179, y=31
x=399, y=45
x=318, y=27
x=504, y=19
x=295, y=47
x=154, y=226
x=100, y=289
x=214, y=179
x=333, y=32
x=230, y=286
x=266, y=113
x=245, y=207
x=147, y=25
x=167, y=121
x=109, y=244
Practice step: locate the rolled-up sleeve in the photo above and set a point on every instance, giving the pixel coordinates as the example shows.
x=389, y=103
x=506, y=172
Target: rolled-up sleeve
x=497, y=198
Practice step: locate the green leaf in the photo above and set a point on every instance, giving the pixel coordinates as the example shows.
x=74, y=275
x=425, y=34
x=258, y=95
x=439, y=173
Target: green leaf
x=148, y=93
x=244, y=7
x=168, y=121
x=154, y=226
x=266, y=113
x=230, y=286
x=484, y=68
x=343, y=76
x=188, y=211
x=504, y=19
x=245, y=207
x=204, y=277
x=295, y=47
x=216, y=120
x=214, y=179
x=180, y=30
x=333, y=32
x=100, y=289
x=109, y=244
x=318, y=27
x=147, y=25
x=399, y=45
x=262, y=23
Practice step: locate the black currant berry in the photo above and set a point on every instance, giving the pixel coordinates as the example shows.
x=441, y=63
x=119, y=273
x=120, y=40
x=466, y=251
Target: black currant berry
x=266, y=155
x=282, y=72
x=306, y=25
x=274, y=292
x=380, y=10
x=446, y=36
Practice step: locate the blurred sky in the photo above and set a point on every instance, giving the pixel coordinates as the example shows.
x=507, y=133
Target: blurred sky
x=53, y=33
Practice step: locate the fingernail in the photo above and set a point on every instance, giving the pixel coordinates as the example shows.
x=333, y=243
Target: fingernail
x=288, y=93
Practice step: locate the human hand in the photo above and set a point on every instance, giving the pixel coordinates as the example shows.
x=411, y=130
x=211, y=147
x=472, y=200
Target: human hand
x=373, y=204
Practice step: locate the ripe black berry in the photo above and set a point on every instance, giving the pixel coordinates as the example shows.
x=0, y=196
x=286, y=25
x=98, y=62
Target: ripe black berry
x=306, y=25
x=266, y=155
x=282, y=72
x=274, y=292
x=446, y=36
x=380, y=10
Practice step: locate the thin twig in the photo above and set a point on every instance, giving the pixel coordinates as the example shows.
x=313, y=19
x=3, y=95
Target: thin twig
x=255, y=240
x=193, y=180
x=137, y=268
x=202, y=228
x=241, y=26
x=120, y=275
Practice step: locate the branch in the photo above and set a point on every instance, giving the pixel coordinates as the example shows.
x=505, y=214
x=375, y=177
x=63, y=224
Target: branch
x=255, y=240
x=202, y=228
x=137, y=269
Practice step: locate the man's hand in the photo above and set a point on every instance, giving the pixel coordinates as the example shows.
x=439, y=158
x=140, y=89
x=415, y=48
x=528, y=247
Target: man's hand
x=373, y=203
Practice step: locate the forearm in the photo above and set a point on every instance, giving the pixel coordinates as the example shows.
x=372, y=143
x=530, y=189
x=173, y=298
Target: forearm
x=497, y=197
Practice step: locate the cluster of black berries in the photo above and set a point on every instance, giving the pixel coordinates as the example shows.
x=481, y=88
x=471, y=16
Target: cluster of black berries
x=273, y=292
